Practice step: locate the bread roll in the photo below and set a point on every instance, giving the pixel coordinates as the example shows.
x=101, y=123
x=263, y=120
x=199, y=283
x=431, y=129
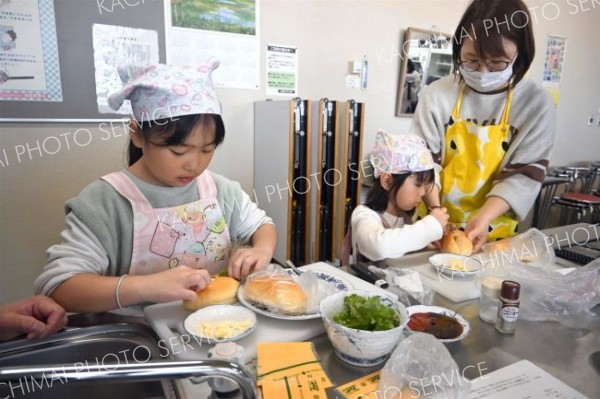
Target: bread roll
x=500, y=245
x=456, y=242
x=222, y=290
x=279, y=293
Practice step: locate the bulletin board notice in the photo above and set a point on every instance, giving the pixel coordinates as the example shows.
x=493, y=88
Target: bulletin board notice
x=74, y=20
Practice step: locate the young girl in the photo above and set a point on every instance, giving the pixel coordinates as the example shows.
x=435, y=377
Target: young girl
x=381, y=227
x=158, y=230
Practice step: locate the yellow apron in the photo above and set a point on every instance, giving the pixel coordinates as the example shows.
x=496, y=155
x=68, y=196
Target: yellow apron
x=473, y=155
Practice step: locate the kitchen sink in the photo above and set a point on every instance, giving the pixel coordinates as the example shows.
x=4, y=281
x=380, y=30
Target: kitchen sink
x=92, y=349
x=112, y=360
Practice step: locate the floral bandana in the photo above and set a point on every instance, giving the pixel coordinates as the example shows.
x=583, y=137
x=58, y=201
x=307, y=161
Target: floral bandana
x=166, y=91
x=399, y=154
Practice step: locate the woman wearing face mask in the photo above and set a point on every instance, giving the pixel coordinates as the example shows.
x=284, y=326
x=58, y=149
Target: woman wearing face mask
x=490, y=129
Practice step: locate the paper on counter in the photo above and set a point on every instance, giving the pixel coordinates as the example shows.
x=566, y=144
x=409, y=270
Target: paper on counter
x=290, y=370
x=521, y=380
x=364, y=387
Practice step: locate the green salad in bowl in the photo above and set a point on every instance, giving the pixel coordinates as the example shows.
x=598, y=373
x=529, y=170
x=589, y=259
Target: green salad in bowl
x=363, y=326
x=367, y=313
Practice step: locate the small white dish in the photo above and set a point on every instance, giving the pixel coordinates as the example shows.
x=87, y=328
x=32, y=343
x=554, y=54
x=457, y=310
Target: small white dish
x=466, y=327
x=443, y=264
x=221, y=323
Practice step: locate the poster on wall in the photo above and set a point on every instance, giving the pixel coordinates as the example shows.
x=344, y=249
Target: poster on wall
x=282, y=70
x=29, y=66
x=226, y=30
x=114, y=46
x=553, y=65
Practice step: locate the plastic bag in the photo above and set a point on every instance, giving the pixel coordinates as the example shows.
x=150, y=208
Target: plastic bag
x=548, y=295
x=313, y=287
x=422, y=367
x=532, y=248
x=407, y=285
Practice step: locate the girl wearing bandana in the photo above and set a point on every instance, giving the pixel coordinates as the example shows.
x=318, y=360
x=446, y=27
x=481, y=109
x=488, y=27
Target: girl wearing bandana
x=381, y=228
x=166, y=222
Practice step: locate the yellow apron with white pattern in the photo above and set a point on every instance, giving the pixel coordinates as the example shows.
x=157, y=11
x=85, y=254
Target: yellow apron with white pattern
x=473, y=155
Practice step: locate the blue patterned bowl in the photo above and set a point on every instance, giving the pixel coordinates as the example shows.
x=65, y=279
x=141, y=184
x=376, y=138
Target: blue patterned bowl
x=360, y=347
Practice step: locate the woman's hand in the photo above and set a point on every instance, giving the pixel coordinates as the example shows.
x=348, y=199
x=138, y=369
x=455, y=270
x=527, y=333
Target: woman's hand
x=248, y=259
x=181, y=282
x=477, y=227
x=477, y=231
x=38, y=317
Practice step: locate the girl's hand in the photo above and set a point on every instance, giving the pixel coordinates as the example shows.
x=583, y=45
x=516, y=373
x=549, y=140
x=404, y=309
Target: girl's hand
x=435, y=245
x=441, y=214
x=246, y=260
x=181, y=282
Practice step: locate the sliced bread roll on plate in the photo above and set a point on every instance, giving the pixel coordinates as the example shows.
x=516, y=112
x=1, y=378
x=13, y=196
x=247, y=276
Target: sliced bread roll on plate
x=279, y=293
x=455, y=241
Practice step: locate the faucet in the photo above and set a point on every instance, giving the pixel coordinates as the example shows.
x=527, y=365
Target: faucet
x=139, y=372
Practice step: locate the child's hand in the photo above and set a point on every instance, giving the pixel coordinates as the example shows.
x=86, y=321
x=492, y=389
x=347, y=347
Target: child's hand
x=246, y=260
x=441, y=214
x=435, y=245
x=181, y=282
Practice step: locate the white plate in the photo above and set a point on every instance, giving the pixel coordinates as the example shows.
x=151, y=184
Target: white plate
x=219, y=313
x=440, y=310
x=335, y=283
x=441, y=263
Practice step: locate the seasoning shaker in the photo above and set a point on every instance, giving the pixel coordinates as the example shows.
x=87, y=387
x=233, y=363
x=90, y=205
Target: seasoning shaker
x=489, y=300
x=508, y=311
x=231, y=352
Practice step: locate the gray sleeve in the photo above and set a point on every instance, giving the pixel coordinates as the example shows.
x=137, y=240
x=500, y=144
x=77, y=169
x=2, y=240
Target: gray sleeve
x=524, y=166
x=433, y=113
x=80, y=252
x=243, y=217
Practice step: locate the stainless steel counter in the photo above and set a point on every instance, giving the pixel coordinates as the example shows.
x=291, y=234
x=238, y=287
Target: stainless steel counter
x=563, y=352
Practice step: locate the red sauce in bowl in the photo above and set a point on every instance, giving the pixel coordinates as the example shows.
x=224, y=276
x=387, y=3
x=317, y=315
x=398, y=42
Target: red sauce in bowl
x=439, y=325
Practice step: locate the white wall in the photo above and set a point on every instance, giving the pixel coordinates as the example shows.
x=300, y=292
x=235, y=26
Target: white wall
x=328, y=34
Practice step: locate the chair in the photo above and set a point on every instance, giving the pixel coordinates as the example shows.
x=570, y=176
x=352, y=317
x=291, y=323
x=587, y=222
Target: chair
x=579, y=202
x=543, y=202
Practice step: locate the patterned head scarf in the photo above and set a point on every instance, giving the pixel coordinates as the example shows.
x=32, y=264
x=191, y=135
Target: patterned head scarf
x=397, y=154
x=166, y=91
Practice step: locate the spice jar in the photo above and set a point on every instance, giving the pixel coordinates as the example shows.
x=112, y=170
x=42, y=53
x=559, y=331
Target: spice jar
x=508, y=311
x=489, y=300
x=231, y=352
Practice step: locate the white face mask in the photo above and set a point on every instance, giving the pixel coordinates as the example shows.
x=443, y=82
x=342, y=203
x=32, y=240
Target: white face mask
x=486, y=81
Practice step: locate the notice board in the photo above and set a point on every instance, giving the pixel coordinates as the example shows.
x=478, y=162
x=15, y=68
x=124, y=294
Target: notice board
x=74, y=22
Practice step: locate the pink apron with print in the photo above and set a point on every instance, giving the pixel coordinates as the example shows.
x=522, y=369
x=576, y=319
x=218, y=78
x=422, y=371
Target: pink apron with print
x=193, y=234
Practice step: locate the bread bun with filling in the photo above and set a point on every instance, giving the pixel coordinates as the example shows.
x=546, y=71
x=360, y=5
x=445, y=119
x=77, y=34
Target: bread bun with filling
x=278, y=293
x=455, y=241
x=221, y=291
